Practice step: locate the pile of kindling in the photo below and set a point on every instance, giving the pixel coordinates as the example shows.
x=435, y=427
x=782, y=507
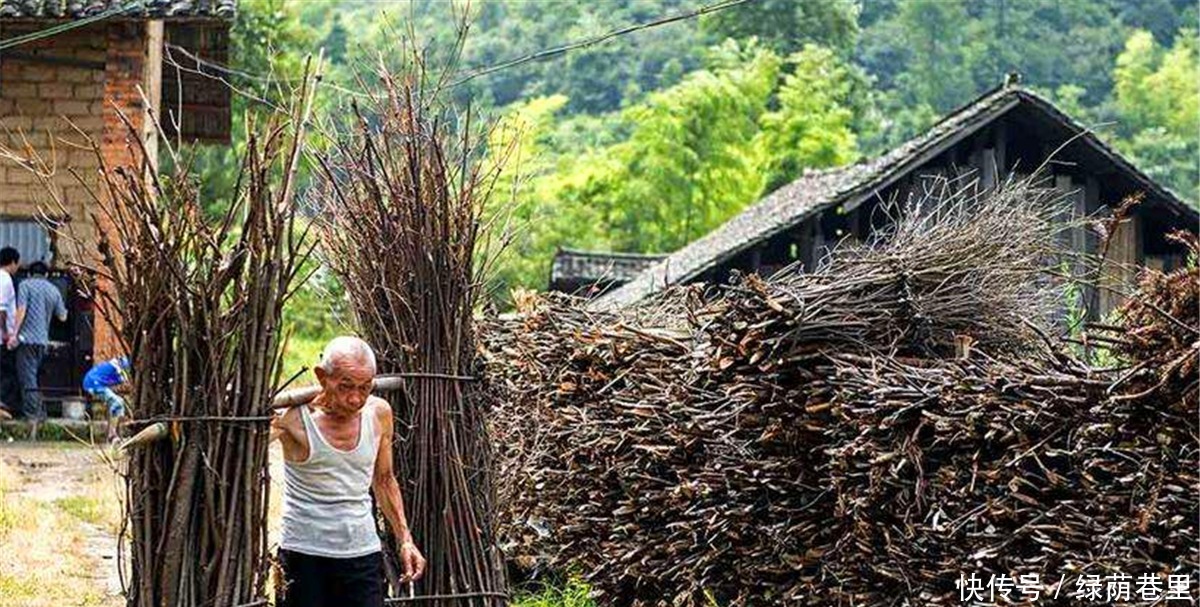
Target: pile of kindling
x=862, y=434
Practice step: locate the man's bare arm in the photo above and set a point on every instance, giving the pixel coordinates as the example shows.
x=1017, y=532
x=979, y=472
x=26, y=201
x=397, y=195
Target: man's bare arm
x=387, y=493
x=288, y=429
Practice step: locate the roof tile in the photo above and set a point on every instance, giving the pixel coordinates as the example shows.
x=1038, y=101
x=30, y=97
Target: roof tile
x=218, y=10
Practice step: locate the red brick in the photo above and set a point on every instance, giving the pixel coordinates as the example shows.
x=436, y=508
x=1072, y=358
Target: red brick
x=19, y=90
x=84, y=159
x=55, y=90
x=79, y=75
x=22, y=176
x=48, y=121
x=17, y=123
x=71, y=107
x=38, y=73
x=13, y=194
x=29, y=106
x=91, y=124
x=88, y=91
x=84, y=53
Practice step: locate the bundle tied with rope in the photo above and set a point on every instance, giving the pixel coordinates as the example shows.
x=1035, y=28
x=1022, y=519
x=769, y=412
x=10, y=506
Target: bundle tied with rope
x=822, y=438
x=197, y=303
x=402, y=194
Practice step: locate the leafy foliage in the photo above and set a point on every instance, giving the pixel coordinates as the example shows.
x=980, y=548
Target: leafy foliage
x=787, y=26
x=1156, y=97
x=647, y=141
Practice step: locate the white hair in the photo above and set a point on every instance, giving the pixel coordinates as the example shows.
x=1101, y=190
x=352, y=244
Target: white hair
x=347, y=347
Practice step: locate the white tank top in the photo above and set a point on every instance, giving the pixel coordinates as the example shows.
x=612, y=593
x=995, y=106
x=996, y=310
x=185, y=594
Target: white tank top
x=326, y=498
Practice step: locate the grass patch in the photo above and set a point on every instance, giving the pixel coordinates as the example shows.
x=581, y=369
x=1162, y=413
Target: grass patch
x=40, y=560
x=575, y=593
x=8, y=517
x=84, y=508
x=9, y=480
x=42, y=552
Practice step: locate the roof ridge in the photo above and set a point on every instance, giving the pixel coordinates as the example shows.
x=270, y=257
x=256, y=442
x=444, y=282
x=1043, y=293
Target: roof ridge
x=628, y=254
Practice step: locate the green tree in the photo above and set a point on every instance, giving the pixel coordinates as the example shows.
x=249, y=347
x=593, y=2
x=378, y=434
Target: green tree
x=336, y=40
x=941, y=46
x=785, y=26
x=1155, y=94
x=527, y=207
x=813, y=125
x=693, y=157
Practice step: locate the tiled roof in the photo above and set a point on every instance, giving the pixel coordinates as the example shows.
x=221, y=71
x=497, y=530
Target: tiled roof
x=572, y=264
x=816, y=191
x=210, y=10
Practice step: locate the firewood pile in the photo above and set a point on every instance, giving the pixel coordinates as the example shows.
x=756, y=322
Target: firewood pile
x=1162, y=321
x=863, y=434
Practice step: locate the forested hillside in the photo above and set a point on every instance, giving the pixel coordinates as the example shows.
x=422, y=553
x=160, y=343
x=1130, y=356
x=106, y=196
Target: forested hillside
x=650, y=139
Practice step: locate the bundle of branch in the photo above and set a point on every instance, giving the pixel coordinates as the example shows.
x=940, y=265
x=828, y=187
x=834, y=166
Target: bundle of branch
x=198, y=304
x=402, y=195
x=808, y=440
x=1025, y=465
x=1163, y=334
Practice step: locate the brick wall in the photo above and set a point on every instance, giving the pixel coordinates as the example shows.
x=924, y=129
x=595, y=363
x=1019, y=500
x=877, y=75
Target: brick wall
x=55, y=108
x=38, y=104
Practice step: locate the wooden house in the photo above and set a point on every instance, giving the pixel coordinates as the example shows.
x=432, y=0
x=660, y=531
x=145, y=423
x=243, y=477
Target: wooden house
x=592, y=273
x=1007, y=131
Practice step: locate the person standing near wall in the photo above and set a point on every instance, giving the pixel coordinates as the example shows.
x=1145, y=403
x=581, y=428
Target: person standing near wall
x=37, y=299
x=10, y=396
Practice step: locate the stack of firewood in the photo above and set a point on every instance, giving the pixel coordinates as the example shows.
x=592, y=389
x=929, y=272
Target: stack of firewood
x=402, y=193
x=861, y=434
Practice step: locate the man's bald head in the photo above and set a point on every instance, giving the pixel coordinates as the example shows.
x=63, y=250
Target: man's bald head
x=346, y=374
x=347, y=349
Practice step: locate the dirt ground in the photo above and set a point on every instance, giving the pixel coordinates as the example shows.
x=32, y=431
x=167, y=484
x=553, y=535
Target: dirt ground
x=60, y=514
x=59, y=519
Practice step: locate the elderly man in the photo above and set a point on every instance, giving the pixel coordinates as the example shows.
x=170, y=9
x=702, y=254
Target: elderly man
x=336, y=450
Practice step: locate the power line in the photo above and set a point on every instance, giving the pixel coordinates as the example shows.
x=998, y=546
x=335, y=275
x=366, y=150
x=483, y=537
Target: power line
x=200, y=61
x=559, y=50
x=55, y=30
x=536, y=56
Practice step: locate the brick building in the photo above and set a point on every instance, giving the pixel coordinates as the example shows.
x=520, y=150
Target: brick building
x=68, y=69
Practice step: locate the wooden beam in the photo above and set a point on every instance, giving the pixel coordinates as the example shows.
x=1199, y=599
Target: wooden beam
x=152, y=86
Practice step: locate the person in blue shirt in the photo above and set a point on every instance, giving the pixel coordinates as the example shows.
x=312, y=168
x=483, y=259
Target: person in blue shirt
x=99, y=383
x=38, y=300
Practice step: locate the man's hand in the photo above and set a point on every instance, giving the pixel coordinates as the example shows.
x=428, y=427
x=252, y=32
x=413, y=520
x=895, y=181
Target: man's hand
x=411, y=559
x=11, y=342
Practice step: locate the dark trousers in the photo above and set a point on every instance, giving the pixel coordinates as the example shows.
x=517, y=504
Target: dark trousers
x=29, y=361
x=318, y=581
x=10, y=388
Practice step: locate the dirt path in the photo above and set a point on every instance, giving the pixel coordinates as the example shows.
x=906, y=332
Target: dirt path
x=59, y=516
